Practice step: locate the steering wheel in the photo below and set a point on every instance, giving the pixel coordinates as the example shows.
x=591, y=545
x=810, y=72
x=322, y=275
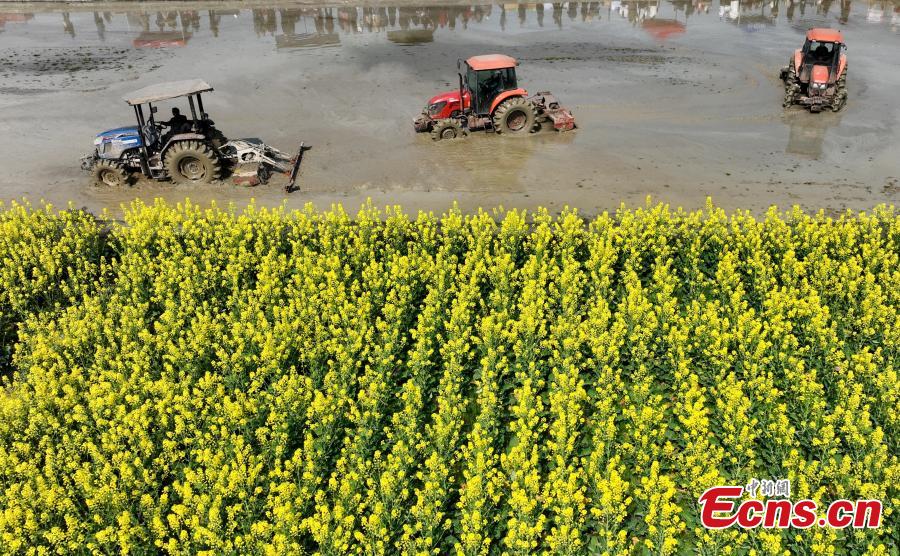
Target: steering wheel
x=151, y=133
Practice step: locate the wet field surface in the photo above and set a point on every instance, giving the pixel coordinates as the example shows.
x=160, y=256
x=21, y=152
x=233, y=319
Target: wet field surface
x=676, y=100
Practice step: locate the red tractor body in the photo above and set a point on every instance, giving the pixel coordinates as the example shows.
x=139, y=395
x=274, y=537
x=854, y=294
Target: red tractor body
x=817, y=74
x=447, y=104
x=489, y=98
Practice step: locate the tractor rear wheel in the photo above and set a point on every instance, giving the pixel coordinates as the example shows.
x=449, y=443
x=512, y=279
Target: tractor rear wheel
x=192, y=162
x=791, y=86
x=840, y=93
x=109, y=173
x=447, y=129
x=515, y=116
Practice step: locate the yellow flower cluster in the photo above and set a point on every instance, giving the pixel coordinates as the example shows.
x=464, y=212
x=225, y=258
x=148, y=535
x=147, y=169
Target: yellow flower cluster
x=214, y=381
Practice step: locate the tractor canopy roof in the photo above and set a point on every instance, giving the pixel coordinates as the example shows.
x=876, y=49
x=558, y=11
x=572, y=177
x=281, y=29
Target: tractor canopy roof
x=165, y=91
x=491, y=62
x=825, y=35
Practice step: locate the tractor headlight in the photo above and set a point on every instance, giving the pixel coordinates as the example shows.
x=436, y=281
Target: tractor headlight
x=98, y=141
x=435, y=109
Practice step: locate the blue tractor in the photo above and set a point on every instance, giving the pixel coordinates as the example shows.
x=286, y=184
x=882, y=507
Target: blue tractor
x=182, y=149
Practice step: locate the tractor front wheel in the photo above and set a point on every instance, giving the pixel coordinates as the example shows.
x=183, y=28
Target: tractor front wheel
x=515, y=116
x=791, y=86
x=840, y=94
x=109, y=173
x=192, y=162
x=447, y=129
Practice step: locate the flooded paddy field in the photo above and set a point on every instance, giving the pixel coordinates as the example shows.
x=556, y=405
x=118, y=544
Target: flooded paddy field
x=677, y=100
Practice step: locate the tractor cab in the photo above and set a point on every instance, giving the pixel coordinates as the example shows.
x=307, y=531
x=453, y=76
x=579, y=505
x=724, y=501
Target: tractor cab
x=486, y=81
x=156, y=133
x=819, y=61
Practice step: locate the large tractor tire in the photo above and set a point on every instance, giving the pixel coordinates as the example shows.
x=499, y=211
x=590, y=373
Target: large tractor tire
x=840, y=93
x=515, y=116
x=109, y=173
x=791, y=86
x=447, y=129
x=192, y=162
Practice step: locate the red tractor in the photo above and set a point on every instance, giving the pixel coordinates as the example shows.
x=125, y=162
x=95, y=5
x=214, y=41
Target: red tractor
x=489, y=98
x=817, y=74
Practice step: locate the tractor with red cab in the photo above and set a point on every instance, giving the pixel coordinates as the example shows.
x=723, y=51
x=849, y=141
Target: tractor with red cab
x=817, y=74
x=489, y=98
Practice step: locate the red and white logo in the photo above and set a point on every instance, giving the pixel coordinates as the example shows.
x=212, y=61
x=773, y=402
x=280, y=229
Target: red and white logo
x=721, y=507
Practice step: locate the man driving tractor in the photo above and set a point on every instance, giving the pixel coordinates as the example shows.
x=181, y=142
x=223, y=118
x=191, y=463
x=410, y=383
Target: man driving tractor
x=493, y=84
x=177, y=123
x=822, y=53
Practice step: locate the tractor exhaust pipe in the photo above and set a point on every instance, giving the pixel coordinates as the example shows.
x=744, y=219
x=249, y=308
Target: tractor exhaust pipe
x=459, y=73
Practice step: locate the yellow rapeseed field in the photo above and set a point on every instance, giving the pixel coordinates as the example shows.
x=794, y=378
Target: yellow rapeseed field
x=194, y=381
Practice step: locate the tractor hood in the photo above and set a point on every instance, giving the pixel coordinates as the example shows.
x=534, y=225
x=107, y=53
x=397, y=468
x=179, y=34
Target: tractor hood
x=448, y=97
x=126, y=134
x=819, y=74
x=446, y=104
x=113, y=143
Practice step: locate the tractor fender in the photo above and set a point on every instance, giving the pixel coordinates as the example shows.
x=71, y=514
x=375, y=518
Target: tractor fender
x=798, y=60
x=505, y=95
x=842, y=65
x=131, y=157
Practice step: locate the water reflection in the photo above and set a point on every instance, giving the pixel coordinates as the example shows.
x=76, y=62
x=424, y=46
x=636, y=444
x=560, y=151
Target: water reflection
x=752, y=16
x=161, y=39
x=807, y=131
x=410, y=37
x=299, y=27
x=307, y=40
x=13, y=18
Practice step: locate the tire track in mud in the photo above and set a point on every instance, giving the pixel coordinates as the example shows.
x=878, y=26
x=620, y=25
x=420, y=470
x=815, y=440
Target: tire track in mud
x=83, y=68
x=580, y=52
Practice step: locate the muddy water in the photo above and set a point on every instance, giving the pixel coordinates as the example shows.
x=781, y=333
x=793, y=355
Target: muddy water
x=676, y=100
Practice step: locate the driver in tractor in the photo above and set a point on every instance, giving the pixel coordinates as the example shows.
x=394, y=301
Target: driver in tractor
x=821, y=53
x=177, y=123
x=491, y=86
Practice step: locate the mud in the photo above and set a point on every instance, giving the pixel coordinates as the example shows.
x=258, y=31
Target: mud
x=675, y=100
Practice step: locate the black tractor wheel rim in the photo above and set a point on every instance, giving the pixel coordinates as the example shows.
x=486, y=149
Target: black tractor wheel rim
x=448, y=133
x=109, y=177
x=516, y=120
x=191, y=168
